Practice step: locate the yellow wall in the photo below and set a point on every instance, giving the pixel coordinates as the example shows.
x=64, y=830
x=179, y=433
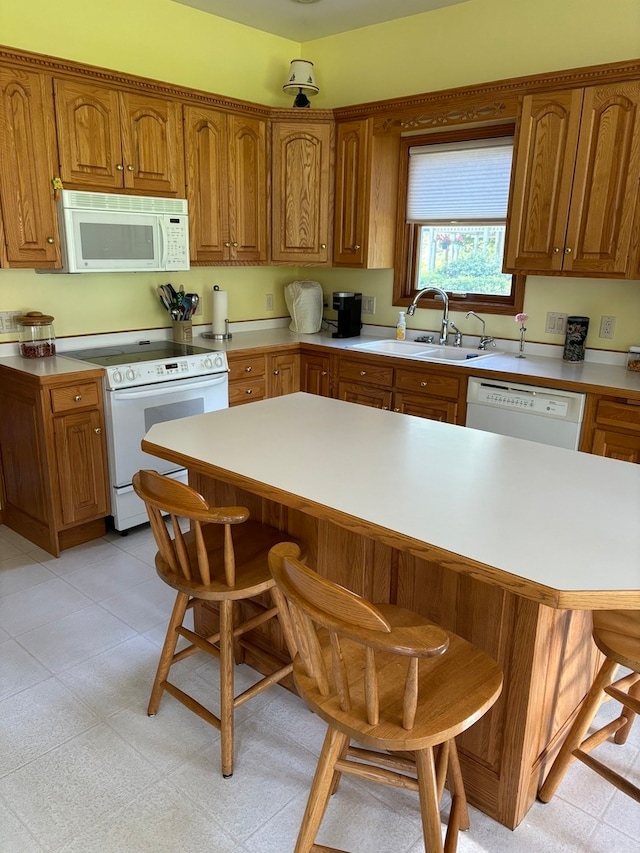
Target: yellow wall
x=476, y=41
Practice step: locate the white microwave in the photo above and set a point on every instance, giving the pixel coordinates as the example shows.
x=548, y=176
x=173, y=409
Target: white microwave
x=103, y=232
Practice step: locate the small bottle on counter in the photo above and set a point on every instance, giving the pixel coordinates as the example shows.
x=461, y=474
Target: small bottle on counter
x=633, y=358
x=36, y=337
x=401, y=328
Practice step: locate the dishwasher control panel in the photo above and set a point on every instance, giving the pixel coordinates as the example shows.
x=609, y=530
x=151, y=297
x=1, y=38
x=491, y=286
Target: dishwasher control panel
x=530, y=401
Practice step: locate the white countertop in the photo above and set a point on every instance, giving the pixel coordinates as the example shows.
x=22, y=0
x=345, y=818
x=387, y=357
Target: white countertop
x=561, y=519
x=590, y=374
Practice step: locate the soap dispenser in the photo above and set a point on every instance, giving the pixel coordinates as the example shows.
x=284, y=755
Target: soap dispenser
x=401, y=328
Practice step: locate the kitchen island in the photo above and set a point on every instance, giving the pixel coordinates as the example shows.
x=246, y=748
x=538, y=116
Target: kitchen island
x=508, y=543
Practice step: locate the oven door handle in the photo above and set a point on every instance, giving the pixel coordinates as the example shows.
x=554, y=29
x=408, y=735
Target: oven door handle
x=161, y=388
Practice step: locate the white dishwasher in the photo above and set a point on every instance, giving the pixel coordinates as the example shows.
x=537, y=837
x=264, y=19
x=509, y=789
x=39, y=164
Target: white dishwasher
x=538, y=414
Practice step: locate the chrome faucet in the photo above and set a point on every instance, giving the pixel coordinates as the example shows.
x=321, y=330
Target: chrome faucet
x=411, y=310
x=484, y=338
x=457, y=341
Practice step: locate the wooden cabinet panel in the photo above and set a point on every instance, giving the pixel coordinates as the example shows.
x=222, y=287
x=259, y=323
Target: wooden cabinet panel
x=427, y=381
x=54, y=458
x=365, y=196
x=425, y=407
x=574, y=190
x=315, y=377
x=247, y=381
x=616, y=429
x=301, y=190
x=226, y=186
x=82, y=472
x=248, y=205
x=366, y=395
x=28, y=162
x=118, y=140
x=369, y=372
x=283, y=371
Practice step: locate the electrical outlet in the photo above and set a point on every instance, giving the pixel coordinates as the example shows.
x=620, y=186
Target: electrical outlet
x=556, y=323
x=368, y=304
x=268, y=302
x=8, y=321
x=607, y=326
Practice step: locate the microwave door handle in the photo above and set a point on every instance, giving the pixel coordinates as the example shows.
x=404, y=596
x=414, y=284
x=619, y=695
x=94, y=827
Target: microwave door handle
x=162, y=232
x=158, y=389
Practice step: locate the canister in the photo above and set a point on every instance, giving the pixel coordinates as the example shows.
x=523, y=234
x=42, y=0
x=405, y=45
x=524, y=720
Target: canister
x=577, y=328
x=36, y=337
x=633, y=358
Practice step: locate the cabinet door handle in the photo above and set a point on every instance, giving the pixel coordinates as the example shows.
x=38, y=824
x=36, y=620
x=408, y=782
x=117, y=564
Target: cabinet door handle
x=129, y=168
x=323, y=245
x=276, y=372
x=98, y=431
x=78, y=397
x=556, y=250
x=356, y=246
x=227, y=243
x=324, y=373
x=567, y=251
x=249, y=390
x=50, y=240
x=363, y=373
x=234, y=244
x=248, y=369
x=120, y=167
x=424, y=383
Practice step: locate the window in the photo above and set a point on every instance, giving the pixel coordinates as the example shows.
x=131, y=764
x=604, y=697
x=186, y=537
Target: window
x=454, y=219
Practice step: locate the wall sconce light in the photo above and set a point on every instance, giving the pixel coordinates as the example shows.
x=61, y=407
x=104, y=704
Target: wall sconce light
x=301, y=80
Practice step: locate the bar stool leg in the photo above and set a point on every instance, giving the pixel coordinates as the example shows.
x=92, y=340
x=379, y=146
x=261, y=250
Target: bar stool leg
x=429, y=805
x=227, y=663
x=577, y=732
x=167, y=653
x=623, y=732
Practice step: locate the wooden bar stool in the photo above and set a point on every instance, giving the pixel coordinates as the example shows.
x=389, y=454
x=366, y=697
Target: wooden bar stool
x=617, y=634
x=209, y=563
x=390, y=680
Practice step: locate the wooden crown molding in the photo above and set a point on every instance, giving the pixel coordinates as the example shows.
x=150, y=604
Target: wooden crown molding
x=485, y=102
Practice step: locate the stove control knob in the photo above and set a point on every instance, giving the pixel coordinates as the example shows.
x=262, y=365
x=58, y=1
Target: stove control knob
x=130, y=374
x=117, y=376
x=207, y=362
x=219, y=361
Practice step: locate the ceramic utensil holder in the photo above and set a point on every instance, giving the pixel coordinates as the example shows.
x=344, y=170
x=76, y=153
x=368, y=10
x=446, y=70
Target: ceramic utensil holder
x=577, y=328
x=182, y=331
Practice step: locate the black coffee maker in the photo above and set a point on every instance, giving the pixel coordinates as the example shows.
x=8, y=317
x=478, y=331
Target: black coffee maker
x=349, y=308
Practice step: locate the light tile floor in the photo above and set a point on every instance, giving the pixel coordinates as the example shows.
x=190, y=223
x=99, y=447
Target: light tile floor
x=84, y=770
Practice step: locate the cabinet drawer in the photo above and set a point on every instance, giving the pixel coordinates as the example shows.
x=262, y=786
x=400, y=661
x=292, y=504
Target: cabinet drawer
x=73, y=397
x=245, y=367
x=372, y=374
x=247, y=391
x=426, y=381
x=624, y=415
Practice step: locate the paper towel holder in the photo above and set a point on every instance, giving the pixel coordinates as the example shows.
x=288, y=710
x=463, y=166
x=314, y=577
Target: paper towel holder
x=225, y=337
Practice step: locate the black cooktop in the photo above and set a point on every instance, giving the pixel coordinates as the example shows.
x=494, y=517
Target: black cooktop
x=130, y=353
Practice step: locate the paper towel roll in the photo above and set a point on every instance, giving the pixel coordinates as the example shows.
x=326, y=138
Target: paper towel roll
x=220, y=312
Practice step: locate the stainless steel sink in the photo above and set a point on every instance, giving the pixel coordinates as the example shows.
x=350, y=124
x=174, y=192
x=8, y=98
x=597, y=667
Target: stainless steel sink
x=424, y=352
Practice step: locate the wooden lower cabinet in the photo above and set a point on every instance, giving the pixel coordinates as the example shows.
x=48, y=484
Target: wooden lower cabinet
x=247, y=380
x=54, y=459
x=547, y=656
x=283, y=373
x=616, y=429
x=315, y=374
x=423, y=392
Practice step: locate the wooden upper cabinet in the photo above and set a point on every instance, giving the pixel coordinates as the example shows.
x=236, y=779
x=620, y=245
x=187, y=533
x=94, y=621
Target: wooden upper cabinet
x=28, y=226
x=111, y=140
x=301, y=174
x=574, y=192
x=365, y=196
x=226, y=157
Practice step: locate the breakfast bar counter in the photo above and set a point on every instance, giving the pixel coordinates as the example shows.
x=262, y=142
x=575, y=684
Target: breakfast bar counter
x=507, y=542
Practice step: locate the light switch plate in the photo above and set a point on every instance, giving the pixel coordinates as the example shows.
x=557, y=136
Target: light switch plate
x=556, y=323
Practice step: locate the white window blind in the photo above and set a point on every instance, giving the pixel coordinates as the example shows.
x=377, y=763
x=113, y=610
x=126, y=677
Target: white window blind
x=459, y=180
